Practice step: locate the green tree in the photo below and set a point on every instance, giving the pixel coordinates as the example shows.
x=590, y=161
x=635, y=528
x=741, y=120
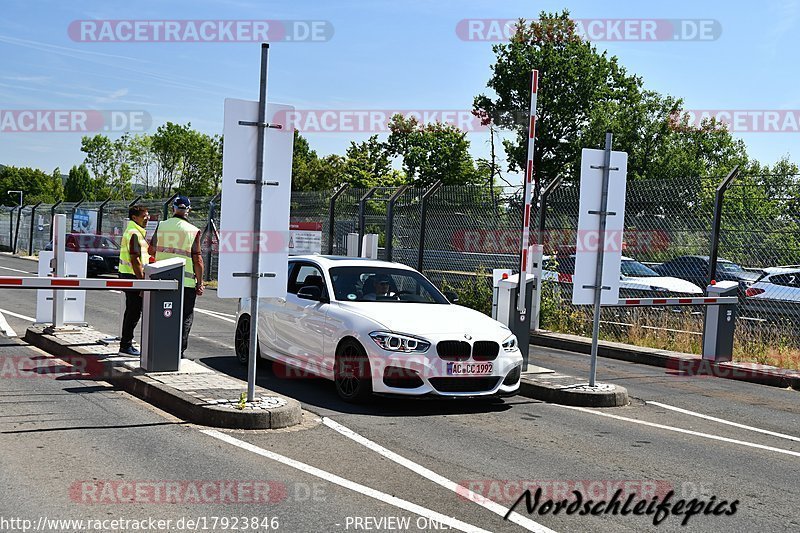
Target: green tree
x=307, y=174
x=56, y=186
x=35, y=185
x=168, y=151
x=432, y=152
x=102, y=159
x=79, y=185
x=368, y=164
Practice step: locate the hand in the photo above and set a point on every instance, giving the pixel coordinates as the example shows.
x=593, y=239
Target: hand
x=200, y=289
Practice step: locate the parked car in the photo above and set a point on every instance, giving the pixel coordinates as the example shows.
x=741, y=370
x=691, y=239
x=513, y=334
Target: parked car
x=694, y=268
x=777, y=284
x=379, y=327
x=636, y=280
x=102, y=251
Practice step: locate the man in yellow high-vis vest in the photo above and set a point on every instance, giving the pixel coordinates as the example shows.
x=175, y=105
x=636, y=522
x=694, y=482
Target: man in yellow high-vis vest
x=177, y=237
x=133, y=256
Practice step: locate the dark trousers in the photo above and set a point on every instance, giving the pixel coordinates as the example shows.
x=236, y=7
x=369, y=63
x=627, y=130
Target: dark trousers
x=133, y=311
x=189, y=297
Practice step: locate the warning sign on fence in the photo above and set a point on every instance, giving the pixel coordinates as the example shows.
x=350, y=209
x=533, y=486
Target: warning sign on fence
x=305, y=238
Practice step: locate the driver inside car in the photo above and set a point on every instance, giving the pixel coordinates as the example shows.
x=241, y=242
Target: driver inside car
x=383, y=289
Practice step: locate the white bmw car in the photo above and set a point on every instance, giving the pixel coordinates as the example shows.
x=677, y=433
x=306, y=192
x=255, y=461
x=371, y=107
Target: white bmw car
x=378, y=327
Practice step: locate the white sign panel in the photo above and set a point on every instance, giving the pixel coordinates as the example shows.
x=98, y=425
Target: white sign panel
x=305, y=238
x=237, y=242
x=74, y=301
x=587, y=246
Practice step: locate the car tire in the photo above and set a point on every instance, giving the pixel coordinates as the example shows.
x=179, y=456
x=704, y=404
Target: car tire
x=352, y=374
x=241, y=341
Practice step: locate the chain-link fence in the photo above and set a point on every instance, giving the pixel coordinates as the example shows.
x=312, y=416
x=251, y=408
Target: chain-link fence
x=457, y=234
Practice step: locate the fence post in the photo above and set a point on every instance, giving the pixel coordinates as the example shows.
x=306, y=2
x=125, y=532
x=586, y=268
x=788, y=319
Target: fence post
x=362, y=217
x=423, y=214
x=717, y=222
x=30, y=234
x=332, y=215
x=11, y=230
x=390, y=219
x=210, y=226
x=72, y=220
x=53, y=214
x=165, y=211
x=100, y=209
x=16, y=231
x=133, y=203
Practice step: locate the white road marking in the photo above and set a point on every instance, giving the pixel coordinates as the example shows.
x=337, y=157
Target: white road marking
x=17, y=270
x=723, y=421
x=215, y=315
x=12, y=313
x=685, y=431
x=461, y=490
x=346, y=483
x=8, y=331
x=218, y=313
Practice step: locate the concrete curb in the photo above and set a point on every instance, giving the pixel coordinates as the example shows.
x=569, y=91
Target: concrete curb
x=675, y=362
x=86, y=357
x=575, y=394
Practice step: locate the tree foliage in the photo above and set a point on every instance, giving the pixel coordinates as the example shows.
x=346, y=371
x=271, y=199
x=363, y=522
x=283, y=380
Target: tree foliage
x=36, y=185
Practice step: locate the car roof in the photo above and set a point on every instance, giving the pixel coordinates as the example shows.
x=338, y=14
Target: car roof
x=781, y=270
x=330, y=261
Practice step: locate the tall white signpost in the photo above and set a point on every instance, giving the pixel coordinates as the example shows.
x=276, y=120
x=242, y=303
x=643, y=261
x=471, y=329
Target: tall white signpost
x=601, y=220
x=256, y=193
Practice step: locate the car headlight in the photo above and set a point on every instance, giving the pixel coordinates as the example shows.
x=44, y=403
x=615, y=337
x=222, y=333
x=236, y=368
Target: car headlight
x=510, y=344
x=96, y=258
x=394, y=342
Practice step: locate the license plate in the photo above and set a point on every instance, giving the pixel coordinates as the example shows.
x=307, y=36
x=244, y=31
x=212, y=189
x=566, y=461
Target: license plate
x=469, y=369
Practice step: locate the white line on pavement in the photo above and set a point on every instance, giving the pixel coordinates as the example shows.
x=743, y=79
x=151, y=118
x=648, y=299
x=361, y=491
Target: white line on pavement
x=723, y=421
x=461, y=490
x=346, y=483
x=7, y=330
x=680, y=430
x=12, y=313
x=17, y=270
x=215, y=315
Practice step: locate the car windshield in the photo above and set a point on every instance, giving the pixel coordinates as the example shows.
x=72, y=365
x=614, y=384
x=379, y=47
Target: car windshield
x=376, y=284
x=95, y=242
x=728, y=267
x=637, y=270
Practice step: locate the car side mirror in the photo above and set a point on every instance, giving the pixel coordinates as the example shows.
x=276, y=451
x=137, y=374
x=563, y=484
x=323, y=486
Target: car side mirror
x=451, y=296
x=311, y=292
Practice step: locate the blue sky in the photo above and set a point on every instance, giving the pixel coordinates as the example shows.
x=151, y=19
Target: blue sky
x=382, y=55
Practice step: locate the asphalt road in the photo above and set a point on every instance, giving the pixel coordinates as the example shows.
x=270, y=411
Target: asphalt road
x=64, y=441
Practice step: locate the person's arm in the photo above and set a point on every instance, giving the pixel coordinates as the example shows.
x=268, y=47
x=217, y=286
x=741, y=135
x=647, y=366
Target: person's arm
x=197, y=264
x=136, y=257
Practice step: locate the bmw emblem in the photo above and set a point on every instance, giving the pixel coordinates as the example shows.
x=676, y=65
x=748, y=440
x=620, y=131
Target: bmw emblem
x=468, y=336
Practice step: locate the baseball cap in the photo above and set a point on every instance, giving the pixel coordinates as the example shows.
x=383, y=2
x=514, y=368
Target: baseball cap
x=181, y=202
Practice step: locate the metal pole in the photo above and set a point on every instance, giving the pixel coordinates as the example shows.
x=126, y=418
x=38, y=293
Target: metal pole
x=601, y=244
x=59, y=255
x=717, y=223
x=52, y=215
x=526, y=215
x=16, y=231
x=332, y=216
x=390, y=219
x=423, y=215
x=256, y=265
x=11, y=230
x=100, y=209
x=362, y=222
x=30, y=234
x=133, y=203
x=212, y=209
x=75, y=208
x=165, y=209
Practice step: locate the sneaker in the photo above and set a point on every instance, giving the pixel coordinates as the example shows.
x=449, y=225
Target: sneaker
x=130, y=350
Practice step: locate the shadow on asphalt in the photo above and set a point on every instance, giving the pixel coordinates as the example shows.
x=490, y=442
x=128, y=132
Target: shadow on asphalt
x=322, y=393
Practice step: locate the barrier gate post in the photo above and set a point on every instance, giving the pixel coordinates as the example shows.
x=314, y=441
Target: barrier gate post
x=162, y=318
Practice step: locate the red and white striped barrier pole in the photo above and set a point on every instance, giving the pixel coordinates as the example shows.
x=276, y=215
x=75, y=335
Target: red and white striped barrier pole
x=88, y=284
x=643, y=302
x=526, y=217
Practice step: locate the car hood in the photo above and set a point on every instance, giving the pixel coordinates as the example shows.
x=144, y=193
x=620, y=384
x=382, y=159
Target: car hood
x=430, y=319
x=660, y=282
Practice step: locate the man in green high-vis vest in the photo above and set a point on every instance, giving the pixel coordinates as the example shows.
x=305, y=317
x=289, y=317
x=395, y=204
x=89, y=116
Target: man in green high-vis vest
x=132, y=258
